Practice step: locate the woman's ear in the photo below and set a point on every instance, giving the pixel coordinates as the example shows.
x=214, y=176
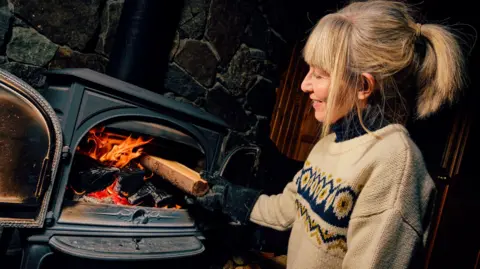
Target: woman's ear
x=368, y=86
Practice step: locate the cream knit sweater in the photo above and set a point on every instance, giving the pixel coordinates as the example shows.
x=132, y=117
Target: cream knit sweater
x=361, y=203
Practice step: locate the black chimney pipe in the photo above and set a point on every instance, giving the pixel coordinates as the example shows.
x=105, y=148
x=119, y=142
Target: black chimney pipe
x=143, y=41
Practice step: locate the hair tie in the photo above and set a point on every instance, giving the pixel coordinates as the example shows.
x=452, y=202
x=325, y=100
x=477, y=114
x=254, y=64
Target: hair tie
x=418, y=30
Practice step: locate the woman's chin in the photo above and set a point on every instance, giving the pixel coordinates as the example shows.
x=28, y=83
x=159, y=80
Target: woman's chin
x=319, y=116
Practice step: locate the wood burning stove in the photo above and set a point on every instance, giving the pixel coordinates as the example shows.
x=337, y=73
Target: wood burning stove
x=43, y=137
x=119, y=211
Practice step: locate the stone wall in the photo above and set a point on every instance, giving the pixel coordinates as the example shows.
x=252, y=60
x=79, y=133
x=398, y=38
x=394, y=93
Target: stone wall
x=226, y=58
x=36, y=35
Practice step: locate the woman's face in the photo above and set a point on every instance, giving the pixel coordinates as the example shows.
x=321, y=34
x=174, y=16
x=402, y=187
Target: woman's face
x=316, y=84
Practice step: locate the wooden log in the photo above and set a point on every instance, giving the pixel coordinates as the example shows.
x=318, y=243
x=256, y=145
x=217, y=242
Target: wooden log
x=178, y=174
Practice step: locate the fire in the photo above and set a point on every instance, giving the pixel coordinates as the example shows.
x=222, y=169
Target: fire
x=114, y=150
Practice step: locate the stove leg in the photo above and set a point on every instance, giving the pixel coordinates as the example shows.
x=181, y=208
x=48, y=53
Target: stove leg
x=33, y=256
x=5, y=238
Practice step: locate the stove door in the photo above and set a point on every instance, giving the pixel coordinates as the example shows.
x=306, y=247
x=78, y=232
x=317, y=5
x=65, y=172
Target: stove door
x=30, y=148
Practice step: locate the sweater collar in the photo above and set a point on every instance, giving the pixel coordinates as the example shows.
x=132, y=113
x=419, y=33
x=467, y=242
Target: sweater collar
x=349, y=126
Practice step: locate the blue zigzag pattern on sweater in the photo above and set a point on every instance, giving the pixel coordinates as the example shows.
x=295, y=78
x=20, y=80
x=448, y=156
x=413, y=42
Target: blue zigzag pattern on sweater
x=329, y=197
x=321, y=235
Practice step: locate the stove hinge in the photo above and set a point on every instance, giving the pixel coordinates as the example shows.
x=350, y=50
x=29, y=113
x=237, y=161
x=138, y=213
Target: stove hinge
x=49, y=219
x=66, y=154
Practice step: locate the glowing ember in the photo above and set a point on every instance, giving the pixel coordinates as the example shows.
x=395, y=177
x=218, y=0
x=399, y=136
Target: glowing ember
x=110, y=192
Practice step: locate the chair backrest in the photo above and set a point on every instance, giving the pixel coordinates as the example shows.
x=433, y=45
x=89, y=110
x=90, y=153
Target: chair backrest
x=442, y=182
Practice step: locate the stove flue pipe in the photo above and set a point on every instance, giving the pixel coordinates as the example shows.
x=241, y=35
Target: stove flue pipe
x=143, y=41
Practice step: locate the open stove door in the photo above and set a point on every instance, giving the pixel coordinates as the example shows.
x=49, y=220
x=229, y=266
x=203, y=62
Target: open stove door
x=30, y=149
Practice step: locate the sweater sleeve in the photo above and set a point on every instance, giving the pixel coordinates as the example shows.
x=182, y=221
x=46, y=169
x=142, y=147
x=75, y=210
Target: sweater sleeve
x=276, y=211
x=390, y=221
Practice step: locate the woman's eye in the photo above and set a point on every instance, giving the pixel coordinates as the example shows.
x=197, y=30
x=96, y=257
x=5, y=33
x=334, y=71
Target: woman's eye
x=316, y=76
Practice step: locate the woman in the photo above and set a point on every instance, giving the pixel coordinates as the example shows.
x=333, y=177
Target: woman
x=363, y=198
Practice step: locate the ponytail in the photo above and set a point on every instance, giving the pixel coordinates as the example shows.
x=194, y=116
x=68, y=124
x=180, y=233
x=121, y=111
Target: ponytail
x=441, y=74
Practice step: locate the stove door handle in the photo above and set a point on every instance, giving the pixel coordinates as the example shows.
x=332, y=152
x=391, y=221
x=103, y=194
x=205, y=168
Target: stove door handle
x=43, y=179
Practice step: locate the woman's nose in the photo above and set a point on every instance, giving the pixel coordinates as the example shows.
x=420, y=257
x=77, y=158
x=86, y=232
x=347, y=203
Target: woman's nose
x=306, y=86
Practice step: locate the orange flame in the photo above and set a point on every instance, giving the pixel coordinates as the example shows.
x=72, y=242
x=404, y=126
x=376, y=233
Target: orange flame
x=114, y=150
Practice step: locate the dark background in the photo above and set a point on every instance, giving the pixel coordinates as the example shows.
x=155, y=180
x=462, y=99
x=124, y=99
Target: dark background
x=458, y=240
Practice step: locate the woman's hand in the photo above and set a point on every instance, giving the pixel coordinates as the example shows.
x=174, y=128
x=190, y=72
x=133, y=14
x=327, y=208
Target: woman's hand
x=234, y=201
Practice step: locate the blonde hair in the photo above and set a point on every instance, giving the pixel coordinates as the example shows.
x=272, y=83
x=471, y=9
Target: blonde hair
x=381, y=38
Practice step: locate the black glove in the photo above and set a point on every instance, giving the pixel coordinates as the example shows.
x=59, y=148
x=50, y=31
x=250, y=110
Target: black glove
x=234, y=201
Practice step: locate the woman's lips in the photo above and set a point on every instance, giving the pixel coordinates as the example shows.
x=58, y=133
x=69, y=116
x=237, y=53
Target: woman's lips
x=316, y=103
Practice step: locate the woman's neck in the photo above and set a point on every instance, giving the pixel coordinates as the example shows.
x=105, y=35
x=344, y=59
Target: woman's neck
x=349, y=126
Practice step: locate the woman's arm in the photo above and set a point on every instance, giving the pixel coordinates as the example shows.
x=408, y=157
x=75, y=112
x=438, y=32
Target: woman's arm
x=243, y=204
x=390, y=221
x=276, y=211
